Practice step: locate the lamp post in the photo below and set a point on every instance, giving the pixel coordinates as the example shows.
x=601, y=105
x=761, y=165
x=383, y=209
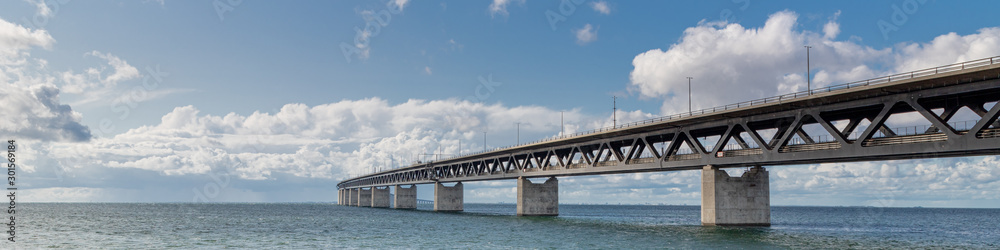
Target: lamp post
x=614, y=111
x=518, y=132
x=562, y=122
x=689, y=93
x=808, y=71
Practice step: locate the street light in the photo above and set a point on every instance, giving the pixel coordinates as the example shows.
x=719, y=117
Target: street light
x=614, y=111
x=689, y=93
x=518, y=132
x=562, y=122
x=808, y=71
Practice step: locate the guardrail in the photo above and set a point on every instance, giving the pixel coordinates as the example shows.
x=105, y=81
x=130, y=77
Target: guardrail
x=774, y=99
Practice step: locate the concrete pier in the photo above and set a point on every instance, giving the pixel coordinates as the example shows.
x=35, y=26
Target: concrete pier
x=343, y=197
x=364, y=197
x=735, y=201
x=340, y=197
x=405, y=198
x=537, y=199
x=352, y=197
x=448, y=198
x=380, y=197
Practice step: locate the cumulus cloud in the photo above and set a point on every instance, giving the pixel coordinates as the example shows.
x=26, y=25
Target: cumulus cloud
x=400, y=4
x=586, y=34
x=310, y=144
x=831, y=29
x=42, y=8
x=328, y=141
x=892, y=183
x=601, y=7
x=743, y=63
x=947, y=48
x=17, y=39
x=116, y=70
x=29, y=102
x=500, y=6
x=35, y=113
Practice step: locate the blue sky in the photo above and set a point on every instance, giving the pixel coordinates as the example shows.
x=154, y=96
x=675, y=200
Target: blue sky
x=165, y=98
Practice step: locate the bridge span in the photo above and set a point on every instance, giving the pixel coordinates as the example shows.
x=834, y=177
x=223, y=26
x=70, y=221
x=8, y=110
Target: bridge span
x=840, y=123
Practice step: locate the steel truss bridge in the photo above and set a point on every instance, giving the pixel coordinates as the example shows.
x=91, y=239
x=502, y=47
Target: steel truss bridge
x=764, y=132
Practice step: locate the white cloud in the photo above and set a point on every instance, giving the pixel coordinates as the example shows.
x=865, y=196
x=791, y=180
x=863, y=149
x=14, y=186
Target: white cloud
x=35, y=113
x=586, y=34
x=500, y=6
x=400, y=4
x=946, y=49
x=831, y=29
x=30, y=107
x=453, y=45
x=896, y=183
x=738, y=63
x=326, y=141
x=43, y=9
x=117, y=70
x=17, y=39
x=601, y=7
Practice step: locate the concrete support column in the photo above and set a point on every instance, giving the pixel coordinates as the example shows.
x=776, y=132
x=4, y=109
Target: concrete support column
x=352, y=197
x=364, y=197
x=405, y=198
x=448, y=198
x=735, y=201
x=340, y=197
x=380, y=197
x=537, y=199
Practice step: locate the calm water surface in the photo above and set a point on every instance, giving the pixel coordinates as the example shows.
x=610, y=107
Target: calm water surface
x=329, y=226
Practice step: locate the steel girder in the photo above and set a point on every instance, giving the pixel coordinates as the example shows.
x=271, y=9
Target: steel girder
x=738, y=141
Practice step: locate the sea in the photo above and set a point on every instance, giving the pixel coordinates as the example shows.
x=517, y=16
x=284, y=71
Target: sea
x=487, y=226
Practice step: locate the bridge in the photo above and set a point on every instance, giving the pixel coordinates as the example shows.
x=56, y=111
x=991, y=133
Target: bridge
x=840, y=123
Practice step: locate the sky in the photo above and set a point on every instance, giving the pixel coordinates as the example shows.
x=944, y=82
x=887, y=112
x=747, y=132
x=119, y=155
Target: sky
x=273, y=101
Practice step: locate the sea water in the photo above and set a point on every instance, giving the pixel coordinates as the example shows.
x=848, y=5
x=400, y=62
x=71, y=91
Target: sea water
x=330, y=226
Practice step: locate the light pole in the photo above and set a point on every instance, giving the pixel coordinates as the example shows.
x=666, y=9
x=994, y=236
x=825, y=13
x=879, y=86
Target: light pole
x=518, y=132
x=808, y=71
x=689, y=93
x=484, y=140
x=562, y=122
x=614, y=111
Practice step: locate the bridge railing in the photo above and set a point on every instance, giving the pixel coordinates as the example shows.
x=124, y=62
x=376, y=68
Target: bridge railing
x=774, y=99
